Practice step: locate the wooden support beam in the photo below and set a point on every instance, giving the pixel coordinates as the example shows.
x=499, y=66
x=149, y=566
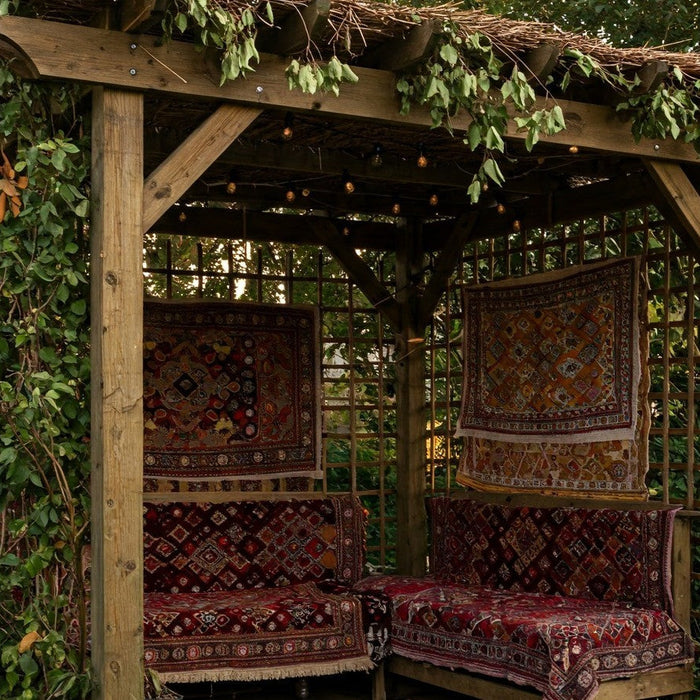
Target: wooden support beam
x=403, y=52
x=171, y=179
x=263, y=227
x=96, y=56
x=117, y=391
x=360, y=272
x=411, y=546
x=445, y=265
x=680, y=195
x=300, y=28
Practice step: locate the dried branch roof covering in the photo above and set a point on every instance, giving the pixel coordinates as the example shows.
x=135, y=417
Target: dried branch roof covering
x=358, y=25
x=355, y=26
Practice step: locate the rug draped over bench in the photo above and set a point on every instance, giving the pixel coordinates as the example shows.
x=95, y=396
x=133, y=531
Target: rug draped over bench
x=253, y=590
x=559, y=599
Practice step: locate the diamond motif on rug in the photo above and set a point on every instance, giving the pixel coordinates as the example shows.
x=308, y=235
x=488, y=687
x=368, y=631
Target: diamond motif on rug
x=555, y=358
x=230, y=391
x=567, y=460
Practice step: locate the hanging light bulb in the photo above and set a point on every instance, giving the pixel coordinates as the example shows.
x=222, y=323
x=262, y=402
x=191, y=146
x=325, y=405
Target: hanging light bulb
x=501, y=208
x=516, y=225
x=573, y=150
x=290, y=195
x=348, y=184
x=376, y=159
x=433, y=200
x=231, y=184
x=288, y=129
x=422, y=160
x=182, y=217
x=396, y=208
x=305, y=192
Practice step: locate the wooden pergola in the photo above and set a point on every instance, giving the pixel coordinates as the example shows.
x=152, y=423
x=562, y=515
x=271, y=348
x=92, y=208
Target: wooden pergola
x=158, y=109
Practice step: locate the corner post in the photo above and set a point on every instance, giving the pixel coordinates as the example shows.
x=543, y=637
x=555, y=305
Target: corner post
x=117, y=391
x=411, y=546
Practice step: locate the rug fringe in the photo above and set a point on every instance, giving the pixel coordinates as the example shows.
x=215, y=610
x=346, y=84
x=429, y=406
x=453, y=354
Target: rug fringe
x=322, y=668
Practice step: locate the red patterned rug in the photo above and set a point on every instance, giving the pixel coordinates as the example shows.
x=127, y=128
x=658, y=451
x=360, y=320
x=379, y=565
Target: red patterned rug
x=230, y=391
x=253, y=634
x=554, y=395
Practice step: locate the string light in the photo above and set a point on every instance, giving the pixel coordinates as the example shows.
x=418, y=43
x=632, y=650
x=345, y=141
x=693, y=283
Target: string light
x=346, y=231
x=290, y=194
x=348, y=184
x=182, y=217
x=376, y=160
x=305, y=192
x=573, y=150
x=516, y=225
x=501, y=208
x=231, y=184
x=395, y=208
x=433, y=200
x=288, y=129
x=422, y=160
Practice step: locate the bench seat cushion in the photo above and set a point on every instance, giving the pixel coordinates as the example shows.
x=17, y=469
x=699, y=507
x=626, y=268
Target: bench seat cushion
x=562, y=646
x=253, y=634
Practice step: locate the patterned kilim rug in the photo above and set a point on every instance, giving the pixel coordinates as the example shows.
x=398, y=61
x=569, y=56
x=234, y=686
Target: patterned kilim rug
x=230, y=391
x=554, y=395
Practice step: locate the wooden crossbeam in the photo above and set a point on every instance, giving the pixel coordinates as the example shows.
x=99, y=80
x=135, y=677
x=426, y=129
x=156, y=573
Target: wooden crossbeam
x=360, y=272
x=683, y=200
x=403, y=52
x=299, y=29
x=97, y=56
x=170, y=180
x=650, y=75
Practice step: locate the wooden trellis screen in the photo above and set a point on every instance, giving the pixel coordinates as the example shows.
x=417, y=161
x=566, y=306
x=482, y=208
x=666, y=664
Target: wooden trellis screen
x=359, y=437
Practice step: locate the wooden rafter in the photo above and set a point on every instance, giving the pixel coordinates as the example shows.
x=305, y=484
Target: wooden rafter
x=171, y=179
x=681, y=197
x=403, y=52
x=85, y=54
x=135, y=12
x=299, y=30
x=264, y=227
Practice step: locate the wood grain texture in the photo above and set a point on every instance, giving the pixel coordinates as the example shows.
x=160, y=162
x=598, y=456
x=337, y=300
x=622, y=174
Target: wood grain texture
x=98, y=56
x=411, y=526
x=171, y=179
x=680, y=195
x=117, y=390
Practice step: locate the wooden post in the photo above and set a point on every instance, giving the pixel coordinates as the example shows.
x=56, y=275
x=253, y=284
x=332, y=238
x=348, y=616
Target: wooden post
x=411, y=548
x=117, y=391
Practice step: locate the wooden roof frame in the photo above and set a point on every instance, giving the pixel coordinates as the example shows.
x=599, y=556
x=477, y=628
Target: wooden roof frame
x=122, y=68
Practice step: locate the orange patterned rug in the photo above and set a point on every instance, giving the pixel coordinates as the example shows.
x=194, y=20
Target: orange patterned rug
x=554, y=397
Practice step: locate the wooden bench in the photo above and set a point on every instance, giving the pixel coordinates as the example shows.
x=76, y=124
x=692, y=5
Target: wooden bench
x=565, y=602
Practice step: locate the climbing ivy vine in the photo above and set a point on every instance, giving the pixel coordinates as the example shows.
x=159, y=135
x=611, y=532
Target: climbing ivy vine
x=44, y=372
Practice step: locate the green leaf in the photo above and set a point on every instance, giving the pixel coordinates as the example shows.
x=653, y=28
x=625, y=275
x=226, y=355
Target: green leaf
x=449, y=53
